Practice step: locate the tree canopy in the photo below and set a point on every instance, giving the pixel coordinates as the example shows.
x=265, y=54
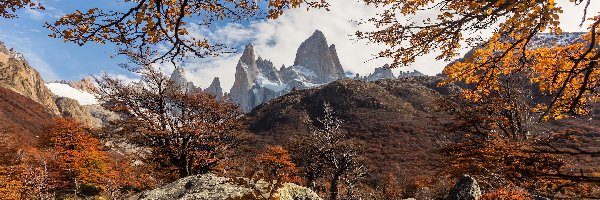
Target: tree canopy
x=567, y=73
x=147, y=24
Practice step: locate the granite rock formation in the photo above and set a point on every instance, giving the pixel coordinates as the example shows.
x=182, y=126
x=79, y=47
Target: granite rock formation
x=215, y=88
x=258, y=81
x=16, y=74
x=70, y=108
x=212, y=187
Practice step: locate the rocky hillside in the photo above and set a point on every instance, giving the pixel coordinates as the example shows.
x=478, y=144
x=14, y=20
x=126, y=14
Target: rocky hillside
x=396, y=119
x=22, y=120
x=73, y=99
x=16, y=74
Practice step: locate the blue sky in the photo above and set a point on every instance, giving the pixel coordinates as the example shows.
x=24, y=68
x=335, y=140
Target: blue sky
x=55, y=59
x=276, y=40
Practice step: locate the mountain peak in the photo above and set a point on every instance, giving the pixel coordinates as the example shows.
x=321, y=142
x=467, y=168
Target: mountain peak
x=248, y=55
x=318, y=37
x=215, y=88
x=318, y=33
x=315, y=54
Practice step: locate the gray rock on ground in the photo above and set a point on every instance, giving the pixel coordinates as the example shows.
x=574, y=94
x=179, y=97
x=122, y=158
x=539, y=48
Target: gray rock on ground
x=465, y=189
x=212, y=187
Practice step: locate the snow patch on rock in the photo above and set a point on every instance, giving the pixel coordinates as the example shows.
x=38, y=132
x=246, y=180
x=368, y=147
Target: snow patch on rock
x=64, y=90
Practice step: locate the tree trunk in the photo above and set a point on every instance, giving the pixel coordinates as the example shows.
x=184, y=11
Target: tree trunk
x=334, y=186
x=310, y=181
x=182, y=166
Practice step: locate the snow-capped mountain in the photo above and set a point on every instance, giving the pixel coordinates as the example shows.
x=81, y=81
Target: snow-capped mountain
x=257, y=80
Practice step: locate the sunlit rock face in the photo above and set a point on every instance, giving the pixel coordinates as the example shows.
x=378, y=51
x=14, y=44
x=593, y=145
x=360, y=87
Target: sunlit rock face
x=16, y=74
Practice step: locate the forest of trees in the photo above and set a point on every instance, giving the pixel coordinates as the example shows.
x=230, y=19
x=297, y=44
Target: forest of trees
x=500, y=121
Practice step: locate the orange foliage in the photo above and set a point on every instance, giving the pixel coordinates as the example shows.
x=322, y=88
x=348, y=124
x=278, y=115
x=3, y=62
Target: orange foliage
x=277, y=164
x=507, y=194
x=82, y=160
x=8, y=8
x=10, y=185
x=567, y=73
x=187, y=132
x=273, y=168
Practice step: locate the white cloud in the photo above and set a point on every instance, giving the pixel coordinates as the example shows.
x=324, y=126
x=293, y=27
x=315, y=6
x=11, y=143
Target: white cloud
x=122, y=77
x=34, y=14
x=572, y=15
x=279, y=39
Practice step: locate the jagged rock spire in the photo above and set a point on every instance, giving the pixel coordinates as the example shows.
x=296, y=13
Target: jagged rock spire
x=257, y=80
x=215, y=88
x=246, y=72
x=315, y=54
x=179, y=78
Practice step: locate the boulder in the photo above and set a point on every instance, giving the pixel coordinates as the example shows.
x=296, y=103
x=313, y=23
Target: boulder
x=212, y=187
x=465, y=189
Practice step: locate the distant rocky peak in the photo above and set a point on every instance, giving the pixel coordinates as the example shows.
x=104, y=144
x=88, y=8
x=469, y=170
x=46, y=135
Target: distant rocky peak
x=268, y=70
x=86, y=84
x=258, y=80
x=215, y=88
x=3, y=48
x=316, y=55
x=7, y=53
x=382, y=73
x=178, y=77
x=248, y=57
x=336, y=61
x=318, y=35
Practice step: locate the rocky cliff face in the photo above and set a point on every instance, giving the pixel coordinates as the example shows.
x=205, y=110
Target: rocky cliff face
x=70, y=108
x=258, y=81
x=86, y=84
x=314, y=54
x=179, y=78
x=215, y=88
x=16, y=74
x=381, y=73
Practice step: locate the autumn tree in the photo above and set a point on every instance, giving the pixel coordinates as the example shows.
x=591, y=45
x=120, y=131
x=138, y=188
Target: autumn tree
x=82, y=161
x=272, y=169
x=328, y=152
x=541, y=159
x=567, y=73
x=188, y=132
x=11, y=183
